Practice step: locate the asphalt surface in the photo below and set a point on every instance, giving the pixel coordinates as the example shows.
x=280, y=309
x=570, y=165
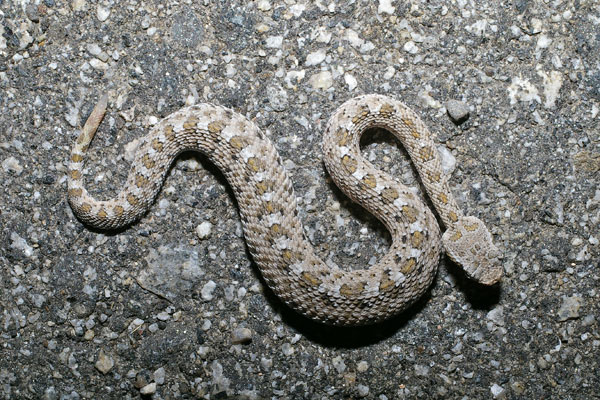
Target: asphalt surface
x=174, y=307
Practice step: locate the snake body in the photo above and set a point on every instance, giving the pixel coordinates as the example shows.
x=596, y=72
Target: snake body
x=268, y=207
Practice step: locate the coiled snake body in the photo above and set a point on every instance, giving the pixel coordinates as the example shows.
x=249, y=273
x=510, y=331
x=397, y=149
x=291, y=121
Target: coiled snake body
x=267, y=205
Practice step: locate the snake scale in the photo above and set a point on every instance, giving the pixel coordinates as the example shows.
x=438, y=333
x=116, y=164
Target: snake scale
x=268, y=208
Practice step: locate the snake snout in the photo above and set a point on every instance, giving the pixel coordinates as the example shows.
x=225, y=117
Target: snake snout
x=469, y=244
x=491, y=268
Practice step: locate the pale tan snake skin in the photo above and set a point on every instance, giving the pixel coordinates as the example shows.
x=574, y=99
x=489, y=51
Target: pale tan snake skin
x=267, y=205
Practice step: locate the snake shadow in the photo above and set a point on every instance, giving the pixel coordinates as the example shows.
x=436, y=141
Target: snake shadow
x=343, y=337
x=479, y=296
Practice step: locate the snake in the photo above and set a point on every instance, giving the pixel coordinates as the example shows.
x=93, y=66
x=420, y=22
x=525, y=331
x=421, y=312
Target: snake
x=268, y=209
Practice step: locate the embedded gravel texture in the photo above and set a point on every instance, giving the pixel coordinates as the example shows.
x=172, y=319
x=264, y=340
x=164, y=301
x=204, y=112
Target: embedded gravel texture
x=172, y=307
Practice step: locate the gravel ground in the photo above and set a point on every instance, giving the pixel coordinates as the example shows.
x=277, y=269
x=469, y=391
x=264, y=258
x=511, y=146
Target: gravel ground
x=172, y=307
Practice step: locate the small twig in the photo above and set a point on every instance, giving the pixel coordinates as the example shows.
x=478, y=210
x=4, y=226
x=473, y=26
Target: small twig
x=148, y=289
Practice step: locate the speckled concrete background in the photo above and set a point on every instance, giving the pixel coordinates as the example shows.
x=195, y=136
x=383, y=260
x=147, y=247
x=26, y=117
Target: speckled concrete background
x=172, y=307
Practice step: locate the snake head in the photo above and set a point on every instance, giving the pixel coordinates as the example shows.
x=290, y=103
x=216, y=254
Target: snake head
x=469, y=244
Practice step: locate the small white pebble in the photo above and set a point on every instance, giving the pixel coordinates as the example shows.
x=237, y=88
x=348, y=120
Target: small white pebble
x=362, y=366
x=241, y=336
x=104, y=363
x=536, y=25
x=350, y=81
x=448, y=160
x=78, y=5
x=287, y=349
x=389, y=73
x=163, y=316
x=421, y=370
x=20, y=244
x=148, y=389
x=163, y=204
x=98, y=65
x=363, y=391
x=322, y=80
x=353, y=38
x=12, y=165
x=497, y=391
x=266, y=363
x=159, y=376
x=137, y=322
x=339, y=364
x=385, y=6
x=543, y=42
x=457, y=110
x=208, y=290
x=274, y=42
x=315, y=58
x=264, y=5
x=93, y=49
x=411, y=47
x=102, y=13
x=203, y=230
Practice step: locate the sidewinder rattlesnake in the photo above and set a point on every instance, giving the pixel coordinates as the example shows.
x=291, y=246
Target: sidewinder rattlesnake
x=267, y=205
